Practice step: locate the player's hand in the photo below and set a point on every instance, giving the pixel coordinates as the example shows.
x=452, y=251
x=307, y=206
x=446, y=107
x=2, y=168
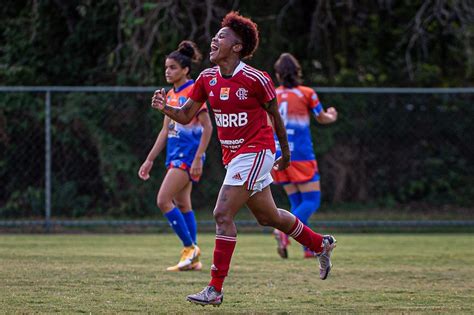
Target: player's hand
x=332, y=112
x=144, y=171
x=196, y=168
x=281, y=163
x=159, y=99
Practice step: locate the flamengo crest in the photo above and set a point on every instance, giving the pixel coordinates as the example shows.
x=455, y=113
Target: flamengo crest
x=242, y=94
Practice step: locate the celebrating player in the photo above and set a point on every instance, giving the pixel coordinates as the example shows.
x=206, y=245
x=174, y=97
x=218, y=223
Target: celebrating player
x=301, y=179
x=185, y=154
x=242, y=98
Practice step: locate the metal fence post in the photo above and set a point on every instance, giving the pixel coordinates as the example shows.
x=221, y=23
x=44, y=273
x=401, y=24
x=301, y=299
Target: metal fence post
x=47, y=174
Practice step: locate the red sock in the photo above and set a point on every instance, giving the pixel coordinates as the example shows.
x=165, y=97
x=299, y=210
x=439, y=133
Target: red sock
x=306, y=237
x=223, y=251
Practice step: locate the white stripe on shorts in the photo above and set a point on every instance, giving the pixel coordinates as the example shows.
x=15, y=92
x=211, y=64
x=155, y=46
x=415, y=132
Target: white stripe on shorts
x=255, y=170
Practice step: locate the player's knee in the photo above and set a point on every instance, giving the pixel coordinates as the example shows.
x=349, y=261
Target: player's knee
x=267, y=220
x=182, y=206
x=222, y=217
x=264, y=222
x=164, y=203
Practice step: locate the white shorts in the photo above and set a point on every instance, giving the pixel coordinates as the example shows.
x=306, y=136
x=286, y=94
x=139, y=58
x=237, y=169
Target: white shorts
x=251, y=170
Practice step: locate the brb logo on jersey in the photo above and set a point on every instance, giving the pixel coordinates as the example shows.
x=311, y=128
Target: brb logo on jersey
x=225, y=94
x=231, y=120
x=242, y=94
x=213, y=82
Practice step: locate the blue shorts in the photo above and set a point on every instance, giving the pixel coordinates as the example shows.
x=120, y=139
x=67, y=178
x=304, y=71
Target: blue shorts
x=185, y=166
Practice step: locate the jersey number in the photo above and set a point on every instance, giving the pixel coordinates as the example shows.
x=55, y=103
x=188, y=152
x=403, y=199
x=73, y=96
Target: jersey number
x=283, y=109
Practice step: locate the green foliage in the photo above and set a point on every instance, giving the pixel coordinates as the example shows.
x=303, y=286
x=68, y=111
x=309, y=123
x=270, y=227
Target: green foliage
x=403, y=148
x=25, y=203
x=385, y=148
x=368, y=44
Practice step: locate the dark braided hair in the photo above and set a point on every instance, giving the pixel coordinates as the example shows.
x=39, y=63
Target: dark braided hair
x=288, y=70
x=186, y=54
x=246, y=29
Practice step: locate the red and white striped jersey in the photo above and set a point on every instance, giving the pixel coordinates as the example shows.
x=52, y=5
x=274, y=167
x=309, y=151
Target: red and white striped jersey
x=242, y=124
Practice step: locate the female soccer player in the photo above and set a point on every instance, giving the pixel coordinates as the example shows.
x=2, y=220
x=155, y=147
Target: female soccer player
x=301, y=179
x=186, y=145
x=241, y=97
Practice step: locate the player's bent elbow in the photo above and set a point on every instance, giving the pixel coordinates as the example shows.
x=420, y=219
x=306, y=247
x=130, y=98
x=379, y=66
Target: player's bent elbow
x=183, y=120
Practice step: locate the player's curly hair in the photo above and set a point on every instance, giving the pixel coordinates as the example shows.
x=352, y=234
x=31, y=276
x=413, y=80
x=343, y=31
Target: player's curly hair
x=289, y=70
x=246, y=29
x=186, y=54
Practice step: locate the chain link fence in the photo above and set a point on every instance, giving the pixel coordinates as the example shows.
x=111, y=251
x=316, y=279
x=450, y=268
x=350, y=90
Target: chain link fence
x=70, y=153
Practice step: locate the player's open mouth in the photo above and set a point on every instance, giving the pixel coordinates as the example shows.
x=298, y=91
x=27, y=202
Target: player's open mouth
x=214, y=49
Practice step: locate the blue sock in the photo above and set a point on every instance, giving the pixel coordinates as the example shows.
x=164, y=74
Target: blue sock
x=190, y=220
x=176, y=220
x=310, y=202
x=295, y=200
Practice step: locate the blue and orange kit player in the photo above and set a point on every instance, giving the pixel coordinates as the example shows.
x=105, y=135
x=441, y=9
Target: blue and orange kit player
x=183, y=140
x=297, y=103
x=296, y=116
x=185, y=153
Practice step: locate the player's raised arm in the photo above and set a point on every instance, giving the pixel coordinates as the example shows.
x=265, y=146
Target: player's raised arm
x=272, y=109
x=183, y=114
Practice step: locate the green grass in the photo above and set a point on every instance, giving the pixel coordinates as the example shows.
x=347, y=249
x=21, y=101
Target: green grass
x=377, y=273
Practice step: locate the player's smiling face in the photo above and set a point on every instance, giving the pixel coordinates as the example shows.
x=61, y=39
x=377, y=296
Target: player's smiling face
x=174, y=72
x=224, y=44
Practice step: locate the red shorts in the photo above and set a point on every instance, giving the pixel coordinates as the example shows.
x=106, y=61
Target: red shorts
x=297, y=172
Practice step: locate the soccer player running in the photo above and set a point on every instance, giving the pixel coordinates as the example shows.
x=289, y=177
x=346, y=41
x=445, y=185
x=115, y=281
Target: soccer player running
x=186, y=145
x=301, y=179
x=241, y=97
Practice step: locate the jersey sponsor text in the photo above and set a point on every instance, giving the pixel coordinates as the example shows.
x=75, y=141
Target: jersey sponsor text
x=231, y=120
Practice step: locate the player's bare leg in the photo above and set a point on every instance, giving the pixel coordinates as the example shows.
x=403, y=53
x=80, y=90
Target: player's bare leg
x=264, y=209
x=182, y=200
x=282, y=238
x=266, y=212
x=175, y=181
x=230, y=200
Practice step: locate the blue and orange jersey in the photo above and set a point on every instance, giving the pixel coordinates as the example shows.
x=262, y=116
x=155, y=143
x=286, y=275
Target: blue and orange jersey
x=296, y=106
x=183, y=140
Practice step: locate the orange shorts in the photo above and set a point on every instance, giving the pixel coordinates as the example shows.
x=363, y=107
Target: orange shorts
x=297, y=172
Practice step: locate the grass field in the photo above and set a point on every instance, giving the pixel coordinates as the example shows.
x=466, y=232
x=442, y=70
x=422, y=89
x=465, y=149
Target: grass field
x=373, y=273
